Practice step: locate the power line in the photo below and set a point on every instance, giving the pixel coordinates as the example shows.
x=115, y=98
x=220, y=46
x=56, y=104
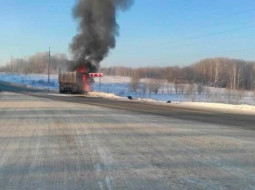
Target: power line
x=229, y=15
x=221, y=52
x=233, y=15
x=188, y=44
x=218, y=33
x=212, y=34
x=241, y=12
x=171, y=43
x=224, y=21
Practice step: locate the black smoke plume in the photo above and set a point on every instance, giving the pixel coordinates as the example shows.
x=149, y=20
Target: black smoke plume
x=98, y=29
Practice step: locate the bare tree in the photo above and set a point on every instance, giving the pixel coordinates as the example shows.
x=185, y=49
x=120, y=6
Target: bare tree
x=181, y=88
x=208, y=92
x=154, y=85
x=191, y=92
x=143, y=87
x=169, y=88
x=200, y=89
x=134, y=83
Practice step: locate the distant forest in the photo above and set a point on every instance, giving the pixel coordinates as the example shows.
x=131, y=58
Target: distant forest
x=214, y=72
x=37, y=63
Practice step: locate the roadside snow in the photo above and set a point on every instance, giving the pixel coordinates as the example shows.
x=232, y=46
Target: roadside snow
x=103, y=95
x=31, y=80
x=220, y=106
x=118, y=88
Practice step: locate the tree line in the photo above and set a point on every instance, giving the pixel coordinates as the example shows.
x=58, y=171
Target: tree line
x=37, y=63
x=214, y=72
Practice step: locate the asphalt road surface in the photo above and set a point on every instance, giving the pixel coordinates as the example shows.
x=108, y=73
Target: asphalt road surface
x=49, y=141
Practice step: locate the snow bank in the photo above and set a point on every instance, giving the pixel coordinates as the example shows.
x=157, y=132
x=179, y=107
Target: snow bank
x=31, y=80
x=220, y=106
x=103, y=95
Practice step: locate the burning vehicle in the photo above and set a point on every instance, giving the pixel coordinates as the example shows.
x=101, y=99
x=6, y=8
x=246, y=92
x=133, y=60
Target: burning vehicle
x=76, y=82
x=78, y=79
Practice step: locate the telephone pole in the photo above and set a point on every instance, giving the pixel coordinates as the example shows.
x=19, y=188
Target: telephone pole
x=11, y=64
x=49, y=71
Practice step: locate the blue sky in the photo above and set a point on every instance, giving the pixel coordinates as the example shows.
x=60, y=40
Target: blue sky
x=152, y=32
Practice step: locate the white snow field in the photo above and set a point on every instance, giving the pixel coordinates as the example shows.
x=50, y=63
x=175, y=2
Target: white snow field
x=117, y=87
x=120, y=86
x=31, y=80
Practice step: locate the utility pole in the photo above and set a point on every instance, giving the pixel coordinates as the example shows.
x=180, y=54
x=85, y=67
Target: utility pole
x=100, y=81
x=11, y=64
x=49, y=71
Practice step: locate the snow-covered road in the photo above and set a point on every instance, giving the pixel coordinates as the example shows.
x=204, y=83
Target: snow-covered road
x=53, y=144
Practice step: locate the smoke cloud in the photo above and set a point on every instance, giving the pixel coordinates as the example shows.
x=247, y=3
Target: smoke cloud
x=98, y=28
